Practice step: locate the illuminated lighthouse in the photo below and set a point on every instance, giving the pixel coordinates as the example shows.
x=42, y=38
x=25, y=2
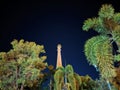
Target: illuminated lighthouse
x=59, y=58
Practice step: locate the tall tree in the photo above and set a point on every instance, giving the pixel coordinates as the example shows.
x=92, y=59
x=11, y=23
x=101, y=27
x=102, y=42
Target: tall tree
x=99, y=49
x=22, y=66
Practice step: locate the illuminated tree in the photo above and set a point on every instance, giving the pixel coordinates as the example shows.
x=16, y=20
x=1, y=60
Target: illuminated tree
x=22, y=66
x=70, y=76
x=66, y=74
x=67, y=79
x=59, y=78
x=99, y=49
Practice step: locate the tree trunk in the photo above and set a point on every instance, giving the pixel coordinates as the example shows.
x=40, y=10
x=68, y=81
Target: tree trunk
x=22, y=87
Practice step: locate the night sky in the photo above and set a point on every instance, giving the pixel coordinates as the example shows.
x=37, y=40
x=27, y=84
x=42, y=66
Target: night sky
x=51, y=23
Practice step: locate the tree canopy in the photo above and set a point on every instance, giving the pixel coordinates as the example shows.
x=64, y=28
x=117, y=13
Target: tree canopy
x=22, y=66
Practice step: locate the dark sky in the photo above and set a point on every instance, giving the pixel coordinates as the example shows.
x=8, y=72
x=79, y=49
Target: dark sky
x=50, y=23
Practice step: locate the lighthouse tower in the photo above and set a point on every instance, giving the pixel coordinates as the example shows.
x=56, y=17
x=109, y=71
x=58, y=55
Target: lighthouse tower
x=59, y=58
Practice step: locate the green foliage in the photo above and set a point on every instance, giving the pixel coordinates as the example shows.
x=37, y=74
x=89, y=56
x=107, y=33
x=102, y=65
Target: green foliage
x=22, y=66
x=87, y=83
x=95, y=23
x=106, y=11
x=91, y=46
x=59, y=79
x=116, y=36
x=89, y=23
x=69, y=69
x=105, y=23
x=70, y=75
x=71, y=80
x=98, y=51
x=74, y=81
x=117, y=57
x=105, y=59
x=78, y=80
x=116, y=17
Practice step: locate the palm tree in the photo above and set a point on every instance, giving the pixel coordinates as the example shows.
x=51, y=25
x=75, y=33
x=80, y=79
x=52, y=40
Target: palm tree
x=66, y=79
x=99, y=49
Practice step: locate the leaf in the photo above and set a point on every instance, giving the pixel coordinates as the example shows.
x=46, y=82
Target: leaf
x=117, y=57
x=90, y=48
x=106, y=11
x=116, y=18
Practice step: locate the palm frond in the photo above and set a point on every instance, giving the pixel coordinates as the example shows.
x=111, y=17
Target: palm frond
x=106, y=11
x=90, y=48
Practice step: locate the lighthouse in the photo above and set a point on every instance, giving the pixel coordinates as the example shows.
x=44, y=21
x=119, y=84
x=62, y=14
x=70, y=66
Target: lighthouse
x=59, y=58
